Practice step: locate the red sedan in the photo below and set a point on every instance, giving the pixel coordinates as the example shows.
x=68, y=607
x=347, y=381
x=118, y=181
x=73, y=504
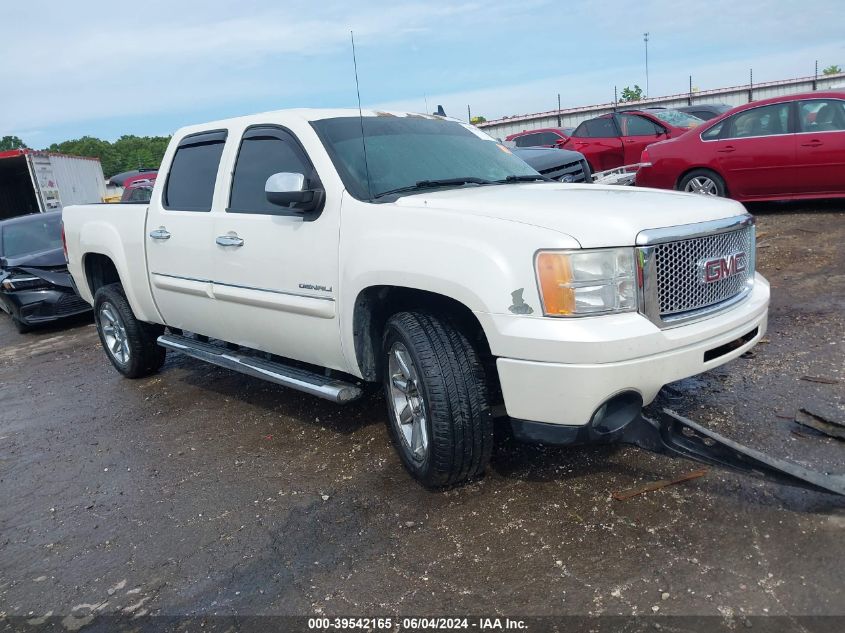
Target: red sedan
x=785, y=148
x=617, y=139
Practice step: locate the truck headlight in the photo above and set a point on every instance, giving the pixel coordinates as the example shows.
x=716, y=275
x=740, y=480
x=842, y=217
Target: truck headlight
x=587, y=282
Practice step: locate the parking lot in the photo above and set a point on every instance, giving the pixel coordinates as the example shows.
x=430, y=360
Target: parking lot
x=201, y=491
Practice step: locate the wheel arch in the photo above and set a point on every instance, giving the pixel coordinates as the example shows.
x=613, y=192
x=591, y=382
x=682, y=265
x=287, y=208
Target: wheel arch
x=102, y=268
x=375, y=304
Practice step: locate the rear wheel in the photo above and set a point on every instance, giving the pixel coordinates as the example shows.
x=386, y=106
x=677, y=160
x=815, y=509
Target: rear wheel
x=438, y=410
x=130, y=344
x=703, y=182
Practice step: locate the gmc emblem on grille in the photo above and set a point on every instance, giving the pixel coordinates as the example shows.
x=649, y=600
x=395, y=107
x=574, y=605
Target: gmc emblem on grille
x=719, y=268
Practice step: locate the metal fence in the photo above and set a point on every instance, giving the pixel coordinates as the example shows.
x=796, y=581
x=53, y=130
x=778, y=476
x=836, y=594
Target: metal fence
x=735, y=95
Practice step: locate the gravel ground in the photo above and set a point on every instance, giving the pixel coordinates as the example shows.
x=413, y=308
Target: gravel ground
x=199, y=491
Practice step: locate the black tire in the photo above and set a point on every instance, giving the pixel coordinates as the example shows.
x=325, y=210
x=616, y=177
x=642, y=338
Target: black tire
x=20, y=326
x=712, y=176
x=145, y=356
x=452, y=388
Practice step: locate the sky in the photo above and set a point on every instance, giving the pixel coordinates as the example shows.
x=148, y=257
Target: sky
x=105, y=69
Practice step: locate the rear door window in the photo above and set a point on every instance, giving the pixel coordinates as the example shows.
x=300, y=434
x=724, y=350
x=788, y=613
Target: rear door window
x=527, y=140
x=633, y=125
x=193, y=172
x=763, y=121
x=597, y=128
x=714, y=132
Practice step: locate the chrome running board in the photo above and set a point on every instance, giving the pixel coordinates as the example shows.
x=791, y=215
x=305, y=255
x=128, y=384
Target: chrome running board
x=249, y=363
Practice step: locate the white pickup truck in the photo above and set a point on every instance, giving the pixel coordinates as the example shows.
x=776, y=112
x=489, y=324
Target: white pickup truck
x=323, y=250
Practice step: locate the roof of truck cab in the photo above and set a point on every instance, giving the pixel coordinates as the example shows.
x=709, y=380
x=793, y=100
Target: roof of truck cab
x=303, y=114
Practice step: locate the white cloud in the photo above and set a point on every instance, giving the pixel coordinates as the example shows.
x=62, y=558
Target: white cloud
x=75, y=65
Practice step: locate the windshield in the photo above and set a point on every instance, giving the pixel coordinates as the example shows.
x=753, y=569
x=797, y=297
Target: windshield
x=677, y=118
x=41, y=233
x=404, y=151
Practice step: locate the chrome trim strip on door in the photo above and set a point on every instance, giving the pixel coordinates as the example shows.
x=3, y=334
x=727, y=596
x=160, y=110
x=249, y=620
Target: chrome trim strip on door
x=220, y=283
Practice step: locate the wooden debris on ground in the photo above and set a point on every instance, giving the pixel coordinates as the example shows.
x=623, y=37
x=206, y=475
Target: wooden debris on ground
x=657, y=485
x=821, y=379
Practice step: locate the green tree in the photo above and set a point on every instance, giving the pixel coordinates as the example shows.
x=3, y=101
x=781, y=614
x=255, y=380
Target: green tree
x=477, y=119
x=126, y=153
x=833, y=69
x=11, y=142
x=632, y=94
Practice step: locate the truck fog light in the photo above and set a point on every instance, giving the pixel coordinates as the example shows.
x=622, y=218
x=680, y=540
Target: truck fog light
x=586, y=282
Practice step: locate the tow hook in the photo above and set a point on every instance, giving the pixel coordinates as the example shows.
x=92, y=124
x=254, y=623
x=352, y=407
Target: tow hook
x=676, y=436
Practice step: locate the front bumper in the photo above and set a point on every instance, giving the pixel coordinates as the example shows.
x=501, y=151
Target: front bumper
x=41, y=306
x=569, y=368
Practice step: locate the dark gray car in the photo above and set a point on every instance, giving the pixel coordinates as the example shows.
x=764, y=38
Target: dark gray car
x=558, y=164
x=35, y=286
x=706, y=111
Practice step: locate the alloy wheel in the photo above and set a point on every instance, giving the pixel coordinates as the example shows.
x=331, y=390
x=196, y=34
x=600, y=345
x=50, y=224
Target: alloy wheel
x=702, y=185
x=114, y=333
x=407, y=401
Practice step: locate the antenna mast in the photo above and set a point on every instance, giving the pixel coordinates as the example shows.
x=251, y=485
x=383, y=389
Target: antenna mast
x=361, y=117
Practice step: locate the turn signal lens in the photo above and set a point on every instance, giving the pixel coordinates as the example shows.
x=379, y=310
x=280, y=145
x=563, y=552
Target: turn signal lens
x=587, y=282
x=555, y=275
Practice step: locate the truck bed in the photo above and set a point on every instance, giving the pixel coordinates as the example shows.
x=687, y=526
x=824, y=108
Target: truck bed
x=116, y=231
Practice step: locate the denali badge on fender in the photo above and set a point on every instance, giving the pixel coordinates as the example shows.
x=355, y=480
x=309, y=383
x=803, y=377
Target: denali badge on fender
x=719, y=268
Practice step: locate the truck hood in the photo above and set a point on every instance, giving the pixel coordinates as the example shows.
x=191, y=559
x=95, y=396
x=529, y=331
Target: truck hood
x=594, y=215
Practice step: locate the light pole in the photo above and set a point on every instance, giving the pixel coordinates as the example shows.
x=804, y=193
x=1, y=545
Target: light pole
x=645, y=39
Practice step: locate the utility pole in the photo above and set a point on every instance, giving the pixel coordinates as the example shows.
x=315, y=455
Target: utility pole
x=615, y=99
x=750, y=85
x=689, y=101
x=645, y=39
x=816, y=77
x=469, y=115
x=558, y=106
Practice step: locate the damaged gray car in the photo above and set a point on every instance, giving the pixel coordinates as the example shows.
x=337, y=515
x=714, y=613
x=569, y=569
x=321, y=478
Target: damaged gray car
x=35, y=286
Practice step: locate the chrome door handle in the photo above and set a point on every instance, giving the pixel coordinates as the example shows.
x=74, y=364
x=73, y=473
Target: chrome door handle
x=231, y=239
x=160, y=233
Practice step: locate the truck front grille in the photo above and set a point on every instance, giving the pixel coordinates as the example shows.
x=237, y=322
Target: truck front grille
x=691, y=278
x=574, y=172
x=679, y=269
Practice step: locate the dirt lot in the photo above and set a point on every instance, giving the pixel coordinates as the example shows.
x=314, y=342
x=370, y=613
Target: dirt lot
x=200, y=491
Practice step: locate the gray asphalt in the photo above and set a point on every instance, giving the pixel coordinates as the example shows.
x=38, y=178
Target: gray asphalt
x=199, y=491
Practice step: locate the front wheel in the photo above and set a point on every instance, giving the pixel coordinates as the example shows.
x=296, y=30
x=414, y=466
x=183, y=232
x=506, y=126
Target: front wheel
x=130, y=344
x=438, y=410
x=703, y=182
x=20, y=326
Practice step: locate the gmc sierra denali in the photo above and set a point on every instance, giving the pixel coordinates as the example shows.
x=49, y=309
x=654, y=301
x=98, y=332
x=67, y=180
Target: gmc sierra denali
x=323, y=250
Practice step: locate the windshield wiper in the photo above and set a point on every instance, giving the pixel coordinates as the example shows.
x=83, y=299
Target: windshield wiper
x=525, y=178
x=429, y=184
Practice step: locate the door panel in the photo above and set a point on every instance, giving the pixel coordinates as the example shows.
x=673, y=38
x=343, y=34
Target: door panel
x=276, y=291
x=637, y=134
x=757, y=157
x=178, y=233
x=820, y=147
x=598, y=139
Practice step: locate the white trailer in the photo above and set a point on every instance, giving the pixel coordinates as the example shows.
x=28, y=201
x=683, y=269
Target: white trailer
x=34, y=181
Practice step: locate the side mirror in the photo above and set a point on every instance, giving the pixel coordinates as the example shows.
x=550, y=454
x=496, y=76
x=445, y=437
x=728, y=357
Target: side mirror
x=291, y=190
